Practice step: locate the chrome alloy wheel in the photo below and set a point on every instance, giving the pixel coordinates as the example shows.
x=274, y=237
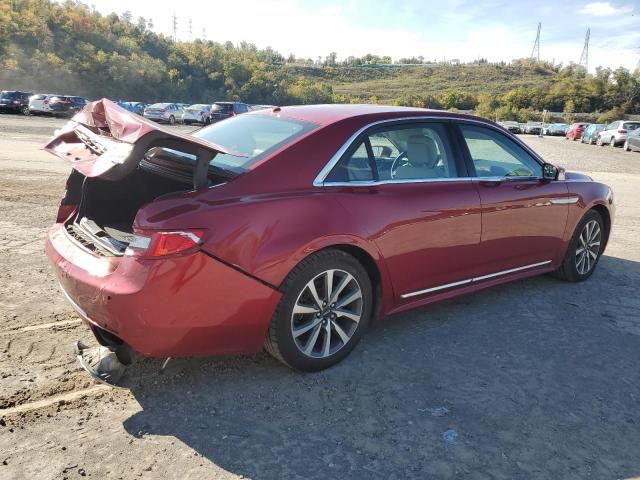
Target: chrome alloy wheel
x=588, y=247
x=326, y=313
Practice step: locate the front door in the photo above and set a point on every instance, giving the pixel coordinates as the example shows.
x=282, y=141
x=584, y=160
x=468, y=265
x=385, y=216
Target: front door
x=523, y=215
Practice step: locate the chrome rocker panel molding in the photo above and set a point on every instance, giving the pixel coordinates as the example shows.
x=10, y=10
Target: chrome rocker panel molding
x=474, y=280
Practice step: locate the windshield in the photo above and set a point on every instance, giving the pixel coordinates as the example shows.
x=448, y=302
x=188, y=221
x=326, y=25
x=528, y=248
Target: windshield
x=253, y=135
x=199, y=106
x=222, y=107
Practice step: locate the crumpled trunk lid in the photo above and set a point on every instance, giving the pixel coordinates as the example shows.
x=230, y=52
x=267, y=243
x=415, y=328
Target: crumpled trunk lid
x=105, y=140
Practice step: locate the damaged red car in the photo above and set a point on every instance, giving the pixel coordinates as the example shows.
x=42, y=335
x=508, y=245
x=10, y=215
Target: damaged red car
x=293, y=228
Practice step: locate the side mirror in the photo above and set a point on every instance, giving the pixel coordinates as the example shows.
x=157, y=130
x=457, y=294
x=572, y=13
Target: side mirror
x=549, y=172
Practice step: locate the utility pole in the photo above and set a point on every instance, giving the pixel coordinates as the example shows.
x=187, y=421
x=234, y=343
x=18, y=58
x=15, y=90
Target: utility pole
x=584, y=58
x=204, y=33
x=190, y=30
x=175, y=27
x=535, y=53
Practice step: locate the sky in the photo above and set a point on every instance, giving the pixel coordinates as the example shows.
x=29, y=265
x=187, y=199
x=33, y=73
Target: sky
x=447, y=29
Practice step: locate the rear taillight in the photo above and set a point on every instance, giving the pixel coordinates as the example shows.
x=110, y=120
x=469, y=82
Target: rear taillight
x=622, y=131
x=46, y=102
x=162, y=244
x=163, y=110
x=16, y=102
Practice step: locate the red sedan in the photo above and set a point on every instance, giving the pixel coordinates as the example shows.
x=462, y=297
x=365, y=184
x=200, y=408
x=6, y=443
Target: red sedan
x=295, y=227
x=576, y=130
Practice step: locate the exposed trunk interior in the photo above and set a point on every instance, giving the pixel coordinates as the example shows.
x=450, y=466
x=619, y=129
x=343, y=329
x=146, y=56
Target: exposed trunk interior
x=104, y=222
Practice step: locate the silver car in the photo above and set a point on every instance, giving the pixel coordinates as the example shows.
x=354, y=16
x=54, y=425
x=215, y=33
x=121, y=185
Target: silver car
x=197, y=113
x=616, y=133
x=39, y=103
x=163, y=112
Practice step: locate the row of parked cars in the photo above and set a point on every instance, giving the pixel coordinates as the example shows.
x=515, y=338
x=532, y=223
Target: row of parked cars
x=625, y=133
x=29, y=103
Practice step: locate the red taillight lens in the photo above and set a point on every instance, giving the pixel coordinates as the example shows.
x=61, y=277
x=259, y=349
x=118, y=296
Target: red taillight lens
x=163, y=110
x=622, y=131
x=46, y=102
x=162, y=244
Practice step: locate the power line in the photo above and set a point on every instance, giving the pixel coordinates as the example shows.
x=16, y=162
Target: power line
x=175, y=27
x=584, y=57
x=535, y=53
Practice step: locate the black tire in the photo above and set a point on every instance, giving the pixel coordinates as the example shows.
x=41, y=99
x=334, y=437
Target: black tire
x=612, y=143
x=172, y=120
x=626, y=147
x=279, y=341
x=25, y=110
x=187, y=122
x=568, y=270
x=590, y=141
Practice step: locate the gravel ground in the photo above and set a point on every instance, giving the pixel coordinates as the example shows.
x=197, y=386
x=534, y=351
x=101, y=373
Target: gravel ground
x=534, y=380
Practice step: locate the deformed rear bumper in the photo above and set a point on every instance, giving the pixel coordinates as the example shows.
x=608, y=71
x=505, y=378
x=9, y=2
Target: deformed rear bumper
x=179, y=306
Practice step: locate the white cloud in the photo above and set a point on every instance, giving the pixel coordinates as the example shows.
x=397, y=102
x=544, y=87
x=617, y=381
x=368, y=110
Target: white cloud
x=603, y=9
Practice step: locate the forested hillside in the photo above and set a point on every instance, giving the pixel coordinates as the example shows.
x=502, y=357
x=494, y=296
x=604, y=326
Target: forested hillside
x=69, y=48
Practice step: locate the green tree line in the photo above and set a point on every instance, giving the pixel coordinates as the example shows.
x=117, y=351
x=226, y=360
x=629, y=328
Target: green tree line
x=70, y=48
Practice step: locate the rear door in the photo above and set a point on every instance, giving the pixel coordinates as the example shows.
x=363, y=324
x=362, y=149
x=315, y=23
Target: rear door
x=405, y=184
x=523, y=215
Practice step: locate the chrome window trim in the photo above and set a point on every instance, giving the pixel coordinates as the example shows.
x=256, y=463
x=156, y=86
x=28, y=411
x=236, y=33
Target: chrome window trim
x=373, y=183
x=474, y=279
x=319, y=181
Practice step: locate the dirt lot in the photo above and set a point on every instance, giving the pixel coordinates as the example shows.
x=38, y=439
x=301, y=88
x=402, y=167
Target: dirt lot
x=537, y=379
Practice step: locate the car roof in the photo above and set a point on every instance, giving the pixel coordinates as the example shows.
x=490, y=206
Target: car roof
x=331, y=113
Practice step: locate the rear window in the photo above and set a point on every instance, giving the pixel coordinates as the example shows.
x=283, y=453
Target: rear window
x=38, y=97
x=630, y=125
x=223, y=107
x=6, y=94
x=253, y=135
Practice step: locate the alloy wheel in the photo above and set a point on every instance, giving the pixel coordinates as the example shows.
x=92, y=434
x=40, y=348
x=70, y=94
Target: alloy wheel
x=326, y=313
x=588, y=247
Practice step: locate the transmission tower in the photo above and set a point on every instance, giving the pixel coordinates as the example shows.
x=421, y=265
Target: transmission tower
x=175, y=27
x=584, y=58
x=535, y=53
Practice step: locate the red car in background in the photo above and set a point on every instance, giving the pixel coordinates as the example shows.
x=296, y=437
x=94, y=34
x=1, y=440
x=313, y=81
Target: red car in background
x=295, y=227
x=576, y=130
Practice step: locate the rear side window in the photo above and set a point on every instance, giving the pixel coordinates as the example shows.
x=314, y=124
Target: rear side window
x=222, y=107
x=396, y=153
x=496, y=155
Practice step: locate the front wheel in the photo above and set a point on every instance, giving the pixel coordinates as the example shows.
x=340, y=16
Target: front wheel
x=626, y=146
x=172, y=120
x=599, y=142
x=324, y=311
x=25, y=110
x=585, y=249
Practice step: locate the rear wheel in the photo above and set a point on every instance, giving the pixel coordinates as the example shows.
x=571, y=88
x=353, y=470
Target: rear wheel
x=324, y=311
x=599, y=142
x=584, y=249
x=172, y=120
x=25, y=110
x=626, y=146
x=612, y=143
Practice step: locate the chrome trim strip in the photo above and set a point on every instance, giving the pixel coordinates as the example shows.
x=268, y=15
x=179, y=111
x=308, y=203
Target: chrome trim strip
x=511, y=270
x=371, y=183
x=564, y=200
x=435, y=289
x=320, y=178
x=474, y=279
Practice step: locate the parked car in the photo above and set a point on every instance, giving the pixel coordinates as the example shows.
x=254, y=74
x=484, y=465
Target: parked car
x=615, y=133
x=197, y=113
x=576, y=130
x=513, y=127
x=293, y=255
x=556, y=129
x=65, y=105
x=591, y=132
x=136, y=107
x=39, y=103
x=533, y=128
x=222, y=110
x=163, y=112
x=14, y=101
x=632, y=143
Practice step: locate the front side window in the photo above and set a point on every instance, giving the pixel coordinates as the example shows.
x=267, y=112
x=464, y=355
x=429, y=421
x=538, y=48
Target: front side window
x=496, y=155
x=398, y=153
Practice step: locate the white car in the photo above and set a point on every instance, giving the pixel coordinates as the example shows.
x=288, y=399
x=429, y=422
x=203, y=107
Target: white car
x=163, y=112
x=39, y=103
x=197, y=113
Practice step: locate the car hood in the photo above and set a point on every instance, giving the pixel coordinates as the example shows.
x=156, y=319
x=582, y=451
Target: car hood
x=104, y=139
x=577, y=176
